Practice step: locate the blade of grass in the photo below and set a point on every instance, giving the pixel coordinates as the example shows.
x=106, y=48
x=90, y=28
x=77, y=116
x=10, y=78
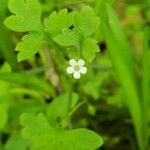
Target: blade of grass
x=145, y=86
x=125, y=50
x=121, y=59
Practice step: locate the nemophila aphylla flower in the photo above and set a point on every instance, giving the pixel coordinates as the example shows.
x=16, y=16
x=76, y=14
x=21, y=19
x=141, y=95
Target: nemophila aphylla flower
x=76, y=68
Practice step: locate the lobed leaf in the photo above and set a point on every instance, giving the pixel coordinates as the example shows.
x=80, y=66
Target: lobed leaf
x=58, y=21
x=54, y=112
x=86, y=22
x=67, y=38
x=16, y=142
x=26, y=15
x=30, y=45
x=89, y=49
x=36, y=129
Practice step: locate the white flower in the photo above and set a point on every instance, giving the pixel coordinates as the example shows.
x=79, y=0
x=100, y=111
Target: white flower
x=76, y=68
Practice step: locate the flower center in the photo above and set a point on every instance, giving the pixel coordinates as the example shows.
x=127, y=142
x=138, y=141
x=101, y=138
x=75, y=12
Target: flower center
x=76, y=68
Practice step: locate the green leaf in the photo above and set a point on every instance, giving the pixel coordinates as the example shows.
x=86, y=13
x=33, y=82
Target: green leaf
x=16, y=142
x=58, y=21
x=54, y=112
x=86, y=22
x=36, y=129
x=73, y=52
x=31, y=44
x=80, y=139
x=27, y=15
x=3, y=5
x=67, y=38
x=42, y=136
x=89, y=49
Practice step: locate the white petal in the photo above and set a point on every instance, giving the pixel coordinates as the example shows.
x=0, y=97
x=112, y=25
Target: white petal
x=70, y=70
x=72, y=62
x=81, y=62
x=83, y=70
x=76, y=75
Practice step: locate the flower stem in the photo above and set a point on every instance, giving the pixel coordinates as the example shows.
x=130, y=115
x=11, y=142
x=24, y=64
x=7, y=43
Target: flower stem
x=76, y=107
x=69, y=105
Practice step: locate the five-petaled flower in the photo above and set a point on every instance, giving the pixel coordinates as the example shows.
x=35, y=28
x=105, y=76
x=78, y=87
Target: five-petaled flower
x=76, y=68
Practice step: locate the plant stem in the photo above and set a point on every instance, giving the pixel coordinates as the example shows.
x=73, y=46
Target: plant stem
x=69, y=105
x=76, y=107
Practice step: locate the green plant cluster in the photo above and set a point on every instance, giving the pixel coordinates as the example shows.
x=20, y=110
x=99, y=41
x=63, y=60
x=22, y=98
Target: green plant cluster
x=44, y=108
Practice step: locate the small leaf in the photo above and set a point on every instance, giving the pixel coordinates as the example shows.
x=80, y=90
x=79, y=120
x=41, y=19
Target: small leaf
x=86, y=22
x=67, y=38
x=89, y=49
x=55, y=112
x=30, y=44
x=16, y=142
x=80, y=139
x=72, y=52
x=57, y=22
x=27, y=15
x=37, y=130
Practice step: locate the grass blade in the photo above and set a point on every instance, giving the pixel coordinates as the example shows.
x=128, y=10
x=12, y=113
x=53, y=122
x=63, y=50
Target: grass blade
x=145, y=86
x=121, y=57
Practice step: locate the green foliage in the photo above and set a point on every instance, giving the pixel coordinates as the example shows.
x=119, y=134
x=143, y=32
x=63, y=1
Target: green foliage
x=56, y=113
x=73, y=52
x=3, y=110
x=16, y=142
x=37, y=130
x=54, y=109
x=67, y=38
x=32, y=82
x=56, y=27
x=3, y=5
x=25, y=13
x=29, y=46
x=57, y=22
x=42, y=136
x=6, y=44
x=120, y=54
x=89, y=49
x=145, y=85
x=86, y=22
x=5, y=99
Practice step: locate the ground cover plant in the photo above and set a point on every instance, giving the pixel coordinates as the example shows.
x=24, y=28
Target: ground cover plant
x=74, y=74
